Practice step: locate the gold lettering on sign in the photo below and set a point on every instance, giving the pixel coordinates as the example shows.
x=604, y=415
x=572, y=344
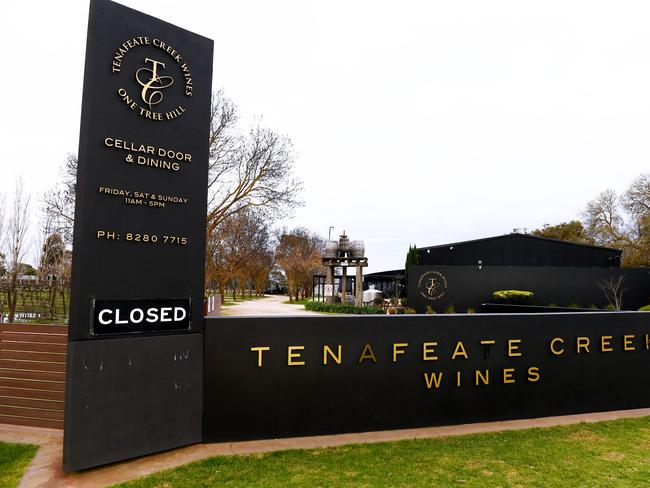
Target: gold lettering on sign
x=328, y=352
x=293, y=356
x=486, y=343
x=152, y=83
x=484, y=379
x=582, y=343
x=116, y=65
x=627, y=343
x=398, y=349
x=508, y=375
x=555, y=351
x=459, y=351
x=367, y=353
x=433, y=379
x=428, y=348
x=605, y=344
x=152, y=80
x=533, y=374
x=513, y=347
x=260, y=350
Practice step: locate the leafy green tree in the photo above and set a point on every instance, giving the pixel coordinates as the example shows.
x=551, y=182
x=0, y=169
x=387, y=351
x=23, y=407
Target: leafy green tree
x=412, y=259
x=572, y=231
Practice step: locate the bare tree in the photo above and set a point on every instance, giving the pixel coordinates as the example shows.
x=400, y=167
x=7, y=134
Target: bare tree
x=58, y=203
x=298, y=254
x=637, y=197
x=236, y=250
x=622, y=221
x=3, y=262
x=16, y=238
x=248, y=171
x=603, y=219
x=636, y=202
x=51, y=269
x=613, y=290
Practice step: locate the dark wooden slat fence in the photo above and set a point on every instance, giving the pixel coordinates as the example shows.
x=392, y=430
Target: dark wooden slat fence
x=32, y=374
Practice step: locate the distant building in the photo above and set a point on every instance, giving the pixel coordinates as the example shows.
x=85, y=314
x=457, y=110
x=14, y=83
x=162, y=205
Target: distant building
x=519, y=250
x=460, y=276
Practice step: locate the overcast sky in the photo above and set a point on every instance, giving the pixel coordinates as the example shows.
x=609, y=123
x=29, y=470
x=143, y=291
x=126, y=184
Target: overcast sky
x=440, y=121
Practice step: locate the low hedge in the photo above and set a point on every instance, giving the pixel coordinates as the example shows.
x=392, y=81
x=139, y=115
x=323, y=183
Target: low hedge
x=514, y=297
x=342, y=308
x=645, y=308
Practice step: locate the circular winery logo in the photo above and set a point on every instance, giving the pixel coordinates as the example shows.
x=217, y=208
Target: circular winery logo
x=432, y=285
x=154, y=78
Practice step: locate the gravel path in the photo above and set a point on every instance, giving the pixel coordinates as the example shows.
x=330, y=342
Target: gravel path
x=269, y=305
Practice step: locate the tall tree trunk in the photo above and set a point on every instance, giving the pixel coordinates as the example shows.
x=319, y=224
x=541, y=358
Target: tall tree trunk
x=52, y=302
x=63, y=303
x=12, y=302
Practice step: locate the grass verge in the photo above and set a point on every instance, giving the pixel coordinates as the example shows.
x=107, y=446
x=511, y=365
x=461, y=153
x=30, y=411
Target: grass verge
x=342, y=308
x=609, y=454
x=14, y=458
x=298, y=302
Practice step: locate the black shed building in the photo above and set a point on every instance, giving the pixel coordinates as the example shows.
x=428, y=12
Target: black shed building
x=460, y=276
x=519, y=250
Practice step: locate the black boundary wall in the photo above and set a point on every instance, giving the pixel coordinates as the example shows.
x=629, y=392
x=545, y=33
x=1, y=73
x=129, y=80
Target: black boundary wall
x=526, y=380
x=465, y=287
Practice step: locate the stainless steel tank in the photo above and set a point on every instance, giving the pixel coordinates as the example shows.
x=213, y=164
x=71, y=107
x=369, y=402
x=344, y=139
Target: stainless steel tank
x=370, y=294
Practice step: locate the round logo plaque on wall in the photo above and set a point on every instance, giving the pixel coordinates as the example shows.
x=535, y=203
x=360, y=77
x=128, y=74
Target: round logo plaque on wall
x=432, y=285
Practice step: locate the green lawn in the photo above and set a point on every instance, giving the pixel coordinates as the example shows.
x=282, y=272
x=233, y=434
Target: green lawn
x=14, y=458
x=298, y=302
x=607, y=454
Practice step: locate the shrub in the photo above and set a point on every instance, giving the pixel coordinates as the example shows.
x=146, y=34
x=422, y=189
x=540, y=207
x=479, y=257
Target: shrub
x=378, y=302
x=450, y=309
x=573, y=305
x=342, y=308
x=410, y=311
x=470, y=310
x=430, y=310
x=645, y=308
x=610, y=306
x=593, y=305
x=553, y=305
x=514, y=297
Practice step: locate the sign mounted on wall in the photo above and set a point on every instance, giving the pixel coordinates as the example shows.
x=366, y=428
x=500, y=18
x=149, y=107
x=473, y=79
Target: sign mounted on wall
x=139, y=240
x=329, y=291
x=129, y=316
x=268, y=377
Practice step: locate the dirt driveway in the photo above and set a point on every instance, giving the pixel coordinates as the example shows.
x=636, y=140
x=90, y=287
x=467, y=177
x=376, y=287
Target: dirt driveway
x=269, y=305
